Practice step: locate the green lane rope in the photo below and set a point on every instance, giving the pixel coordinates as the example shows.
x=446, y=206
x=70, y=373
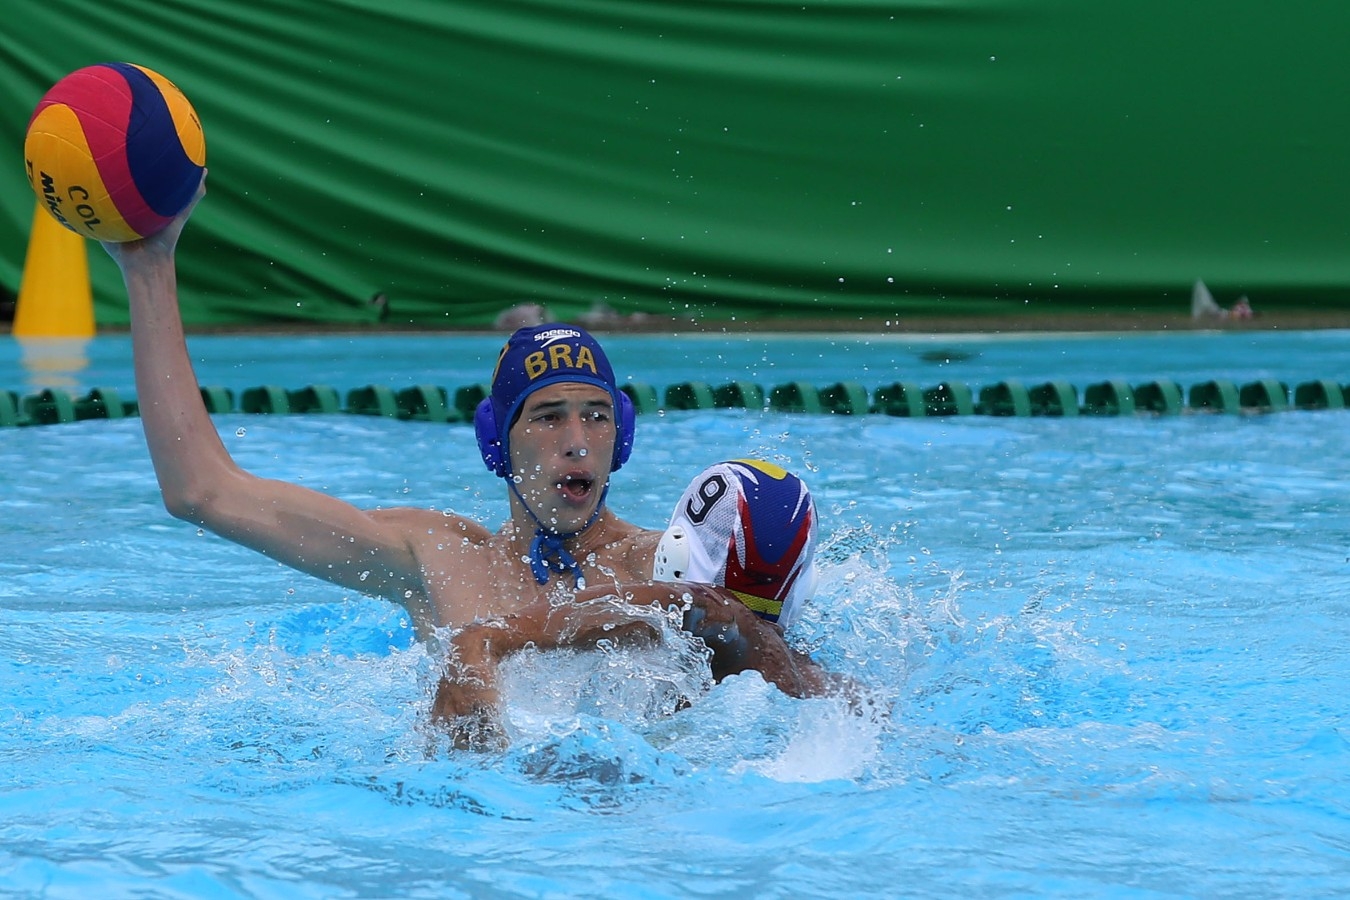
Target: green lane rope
x=905, y=399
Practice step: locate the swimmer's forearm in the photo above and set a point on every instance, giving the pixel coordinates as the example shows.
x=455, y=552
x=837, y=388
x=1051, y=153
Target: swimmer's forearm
x=740, y=640
x=579, y=624
x=184, y=444
x=467, y=697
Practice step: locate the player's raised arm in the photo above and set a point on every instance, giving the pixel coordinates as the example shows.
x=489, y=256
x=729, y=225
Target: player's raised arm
x=201, y=483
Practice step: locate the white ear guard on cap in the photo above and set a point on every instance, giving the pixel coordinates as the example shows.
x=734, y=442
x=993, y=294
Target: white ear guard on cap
x=681, y=556
x=672, y=555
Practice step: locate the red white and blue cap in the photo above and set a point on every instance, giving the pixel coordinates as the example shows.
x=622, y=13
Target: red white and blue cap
x=748, y=526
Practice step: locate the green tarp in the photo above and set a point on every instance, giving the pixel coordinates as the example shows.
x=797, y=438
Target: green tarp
x=719, y=158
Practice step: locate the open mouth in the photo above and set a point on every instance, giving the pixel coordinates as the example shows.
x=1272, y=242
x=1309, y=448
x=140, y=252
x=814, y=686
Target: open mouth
x=576, y=487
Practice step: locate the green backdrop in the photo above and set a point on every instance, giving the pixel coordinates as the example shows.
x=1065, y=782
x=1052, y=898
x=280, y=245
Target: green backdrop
x=722, y=158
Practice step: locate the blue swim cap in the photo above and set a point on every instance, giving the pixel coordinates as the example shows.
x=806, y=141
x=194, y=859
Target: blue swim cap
x=533, y=358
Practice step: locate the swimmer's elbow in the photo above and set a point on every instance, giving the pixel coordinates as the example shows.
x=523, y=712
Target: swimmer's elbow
x=189, y=505
x=182, y=508
x=204, y=495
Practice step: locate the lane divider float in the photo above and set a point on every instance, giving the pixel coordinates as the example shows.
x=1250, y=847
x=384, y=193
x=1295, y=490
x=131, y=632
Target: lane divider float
x=904, y=399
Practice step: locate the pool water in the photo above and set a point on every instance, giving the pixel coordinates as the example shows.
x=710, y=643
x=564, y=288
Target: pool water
x=1112, y=654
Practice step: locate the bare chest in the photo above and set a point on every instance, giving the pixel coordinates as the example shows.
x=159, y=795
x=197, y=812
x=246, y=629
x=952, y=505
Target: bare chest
x=478, y=581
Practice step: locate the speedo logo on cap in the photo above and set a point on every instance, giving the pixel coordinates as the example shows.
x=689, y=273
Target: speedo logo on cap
x=553, y=334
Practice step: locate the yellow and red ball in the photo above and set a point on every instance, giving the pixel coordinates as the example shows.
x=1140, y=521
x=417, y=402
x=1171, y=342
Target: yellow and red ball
x=114, y=151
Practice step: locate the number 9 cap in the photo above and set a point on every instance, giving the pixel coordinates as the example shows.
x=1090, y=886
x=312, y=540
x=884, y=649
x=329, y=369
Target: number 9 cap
x=748, y=526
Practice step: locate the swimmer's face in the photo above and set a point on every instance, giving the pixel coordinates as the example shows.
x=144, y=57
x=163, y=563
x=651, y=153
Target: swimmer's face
x=561, y=448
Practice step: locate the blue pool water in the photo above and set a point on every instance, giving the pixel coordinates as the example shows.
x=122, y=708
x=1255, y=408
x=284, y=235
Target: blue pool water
x=1115, y=651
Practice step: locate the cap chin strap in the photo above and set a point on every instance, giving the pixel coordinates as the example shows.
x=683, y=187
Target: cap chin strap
x=547, y=552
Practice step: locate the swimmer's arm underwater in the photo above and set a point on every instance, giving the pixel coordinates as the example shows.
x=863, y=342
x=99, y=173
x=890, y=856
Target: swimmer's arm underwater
x=467, y=697
x=738, y=639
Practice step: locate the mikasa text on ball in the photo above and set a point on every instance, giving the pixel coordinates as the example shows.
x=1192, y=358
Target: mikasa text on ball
x=114, y=151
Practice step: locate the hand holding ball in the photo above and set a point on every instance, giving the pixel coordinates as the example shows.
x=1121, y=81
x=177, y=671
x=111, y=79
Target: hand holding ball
x=114, y=151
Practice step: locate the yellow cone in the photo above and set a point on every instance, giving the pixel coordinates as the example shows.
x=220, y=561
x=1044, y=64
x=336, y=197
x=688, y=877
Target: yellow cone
x=54, y=296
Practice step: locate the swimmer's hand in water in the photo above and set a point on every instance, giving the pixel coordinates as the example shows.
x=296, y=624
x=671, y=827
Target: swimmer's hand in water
x=740, y=640
x=467, y=698
x=722, y=637
x=478, y=729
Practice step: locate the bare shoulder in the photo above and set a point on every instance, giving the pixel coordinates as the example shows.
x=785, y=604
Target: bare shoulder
x=644, y=541
x=418, y=524
x=637, y=549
